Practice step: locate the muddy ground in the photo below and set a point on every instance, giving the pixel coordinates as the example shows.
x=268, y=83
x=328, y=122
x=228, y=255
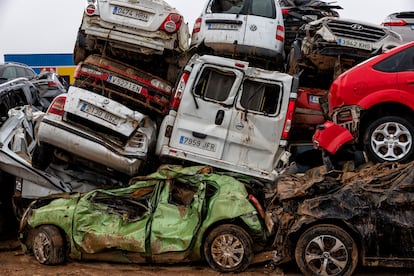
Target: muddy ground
x=13, y=262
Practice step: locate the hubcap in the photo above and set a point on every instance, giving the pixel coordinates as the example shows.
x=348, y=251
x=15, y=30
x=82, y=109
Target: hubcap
x=227, y=251
x=326, y=255
x=41, y=247
x=391, y=141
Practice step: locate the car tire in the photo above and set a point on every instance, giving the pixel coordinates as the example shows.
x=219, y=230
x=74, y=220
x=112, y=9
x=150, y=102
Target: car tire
x=42, y=157
x=79, y=51
x=293, y=58
x=48, y=245
x=389, y=138
x=228, y=248
x=321, y=248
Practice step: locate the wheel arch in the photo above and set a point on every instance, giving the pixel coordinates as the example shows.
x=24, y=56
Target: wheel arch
x=293, y=237
x=66, y=239
x=238, y=222
x=380, y=110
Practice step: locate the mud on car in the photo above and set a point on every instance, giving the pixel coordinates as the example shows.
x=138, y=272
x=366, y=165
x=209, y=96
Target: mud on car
x=252, y=30
x=88, y=129
x=331, y=222
x=124, y=83
x=150, y=33
x=173, y=215
x=325, y=48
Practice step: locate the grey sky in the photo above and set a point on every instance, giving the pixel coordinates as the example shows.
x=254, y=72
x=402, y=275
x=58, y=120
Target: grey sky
x=50, y=26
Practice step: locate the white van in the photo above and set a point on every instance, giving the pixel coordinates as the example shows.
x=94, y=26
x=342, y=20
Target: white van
x=248, y=29
x=231, y=116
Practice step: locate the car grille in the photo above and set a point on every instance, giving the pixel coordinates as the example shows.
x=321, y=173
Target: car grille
x=367, y=33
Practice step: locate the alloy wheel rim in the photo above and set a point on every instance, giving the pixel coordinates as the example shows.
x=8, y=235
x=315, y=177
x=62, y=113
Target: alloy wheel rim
x=391, y=141
x=227, y=251
x=326, y=255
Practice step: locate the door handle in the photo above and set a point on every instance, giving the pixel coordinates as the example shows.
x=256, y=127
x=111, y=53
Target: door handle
x=199, y=135
x=219, y=117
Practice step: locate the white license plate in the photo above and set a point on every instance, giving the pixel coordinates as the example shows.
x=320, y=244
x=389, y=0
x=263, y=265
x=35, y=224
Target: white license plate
x=314, y=99
x=124, y=84
x=223, y=26
x=354, y=43
x=136, y=14
x=197, y=143
x=100, y=113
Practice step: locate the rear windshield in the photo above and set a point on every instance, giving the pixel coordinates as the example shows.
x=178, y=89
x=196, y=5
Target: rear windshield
x=263, y=8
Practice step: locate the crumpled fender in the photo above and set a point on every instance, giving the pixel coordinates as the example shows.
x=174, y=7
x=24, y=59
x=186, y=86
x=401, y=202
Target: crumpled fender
x=331, y=137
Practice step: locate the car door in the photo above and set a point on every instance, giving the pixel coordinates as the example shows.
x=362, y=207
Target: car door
x=225, y=21
x=205, y=112
x=392, y=218
x=114, y=219
x=262, y=24
x=177, y=217
x=257, y=122
x=405, y=71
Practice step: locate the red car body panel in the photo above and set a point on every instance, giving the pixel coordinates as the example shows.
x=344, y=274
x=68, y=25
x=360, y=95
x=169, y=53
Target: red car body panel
x=308, y=112
x=331, y=137
x=365, y=86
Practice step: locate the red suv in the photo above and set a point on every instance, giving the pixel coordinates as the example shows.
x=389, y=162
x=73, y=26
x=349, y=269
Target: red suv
x=375, y=101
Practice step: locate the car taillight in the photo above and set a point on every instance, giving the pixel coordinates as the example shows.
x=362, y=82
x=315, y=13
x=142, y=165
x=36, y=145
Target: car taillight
x=57, y=106
x=289, y=118
x=280, y=33
x=197, y=25
x=285, y=11
x=90, y=9
x=178, y=93
x=397, y=23
x=172, y=23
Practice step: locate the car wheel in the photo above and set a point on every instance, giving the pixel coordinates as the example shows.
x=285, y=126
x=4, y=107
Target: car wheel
x=48, y=245
x=326, y=250
x=389, y=139
x=228, y=248
x=293, y=58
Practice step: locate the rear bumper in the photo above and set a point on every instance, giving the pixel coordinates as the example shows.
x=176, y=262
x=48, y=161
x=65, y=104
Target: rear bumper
x=140, y=41
x=88, y=146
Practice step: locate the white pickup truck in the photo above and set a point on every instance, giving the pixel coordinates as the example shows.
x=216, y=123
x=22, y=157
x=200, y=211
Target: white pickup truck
x=230, y=116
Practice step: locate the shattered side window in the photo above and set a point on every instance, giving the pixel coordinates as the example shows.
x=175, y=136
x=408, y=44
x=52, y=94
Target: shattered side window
x=181, y=193
x=215, y=84
x=130, y=207
x=261, y=97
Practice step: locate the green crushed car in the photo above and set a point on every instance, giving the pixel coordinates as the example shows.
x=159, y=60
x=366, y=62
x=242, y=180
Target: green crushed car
x=174, y=215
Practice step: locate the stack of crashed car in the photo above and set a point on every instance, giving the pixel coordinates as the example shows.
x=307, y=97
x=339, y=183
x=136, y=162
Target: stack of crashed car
x=108, y=119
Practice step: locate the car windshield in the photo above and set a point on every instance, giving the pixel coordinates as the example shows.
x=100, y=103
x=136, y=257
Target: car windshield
x=264, y=8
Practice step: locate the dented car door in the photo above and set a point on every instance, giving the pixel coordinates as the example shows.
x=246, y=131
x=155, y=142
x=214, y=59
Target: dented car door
x=115, y=220
x=177, y=217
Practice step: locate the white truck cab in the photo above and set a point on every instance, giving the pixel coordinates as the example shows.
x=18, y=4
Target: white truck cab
x=230, y=116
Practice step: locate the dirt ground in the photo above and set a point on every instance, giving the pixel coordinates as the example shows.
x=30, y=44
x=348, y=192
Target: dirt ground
x=13, y=262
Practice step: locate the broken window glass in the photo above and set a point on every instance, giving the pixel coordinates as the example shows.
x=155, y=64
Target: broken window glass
x=215, y=84
x=261, y=97
x=181, y=193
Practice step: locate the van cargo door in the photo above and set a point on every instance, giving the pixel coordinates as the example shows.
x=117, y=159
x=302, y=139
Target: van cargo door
x=205, y=113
